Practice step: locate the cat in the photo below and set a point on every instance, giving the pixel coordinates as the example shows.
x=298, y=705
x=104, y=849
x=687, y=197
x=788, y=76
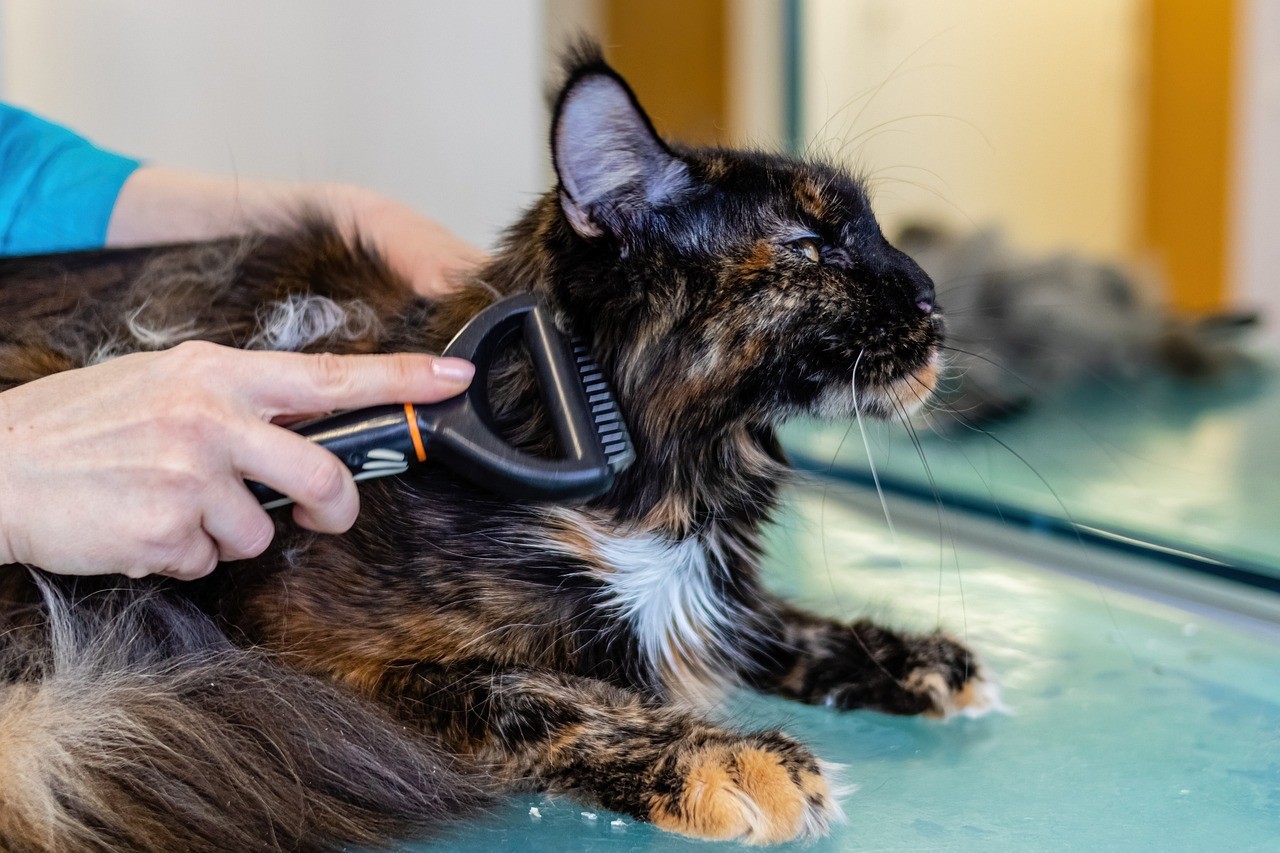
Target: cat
x=1021, y=326
x=455, y=645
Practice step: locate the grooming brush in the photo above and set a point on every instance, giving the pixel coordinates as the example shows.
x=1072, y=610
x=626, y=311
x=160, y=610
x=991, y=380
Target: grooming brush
x=386, y=440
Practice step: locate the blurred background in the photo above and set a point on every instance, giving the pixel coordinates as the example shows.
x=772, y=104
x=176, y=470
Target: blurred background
x=1131, y=129
x=1084, y=178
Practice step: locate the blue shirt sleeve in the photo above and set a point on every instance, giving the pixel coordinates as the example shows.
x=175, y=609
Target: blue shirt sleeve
x=56, y=188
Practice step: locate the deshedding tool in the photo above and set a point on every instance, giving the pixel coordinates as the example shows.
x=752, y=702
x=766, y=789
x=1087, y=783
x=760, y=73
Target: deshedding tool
x=385, y=440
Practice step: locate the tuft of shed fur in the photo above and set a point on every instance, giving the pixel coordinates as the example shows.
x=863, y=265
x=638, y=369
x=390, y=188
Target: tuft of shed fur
x=135, y=725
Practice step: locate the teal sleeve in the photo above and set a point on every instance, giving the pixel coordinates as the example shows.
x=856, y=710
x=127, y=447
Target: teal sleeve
x=56, y=188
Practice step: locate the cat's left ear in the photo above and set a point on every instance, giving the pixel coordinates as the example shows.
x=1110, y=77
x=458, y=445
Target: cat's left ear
x=613, y=167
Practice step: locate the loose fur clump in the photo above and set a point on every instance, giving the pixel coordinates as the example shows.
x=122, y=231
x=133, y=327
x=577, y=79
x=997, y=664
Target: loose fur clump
x=303, y=699
x=301, y=321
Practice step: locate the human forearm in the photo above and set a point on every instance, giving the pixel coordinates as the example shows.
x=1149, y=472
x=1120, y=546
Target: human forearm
x=159, y=205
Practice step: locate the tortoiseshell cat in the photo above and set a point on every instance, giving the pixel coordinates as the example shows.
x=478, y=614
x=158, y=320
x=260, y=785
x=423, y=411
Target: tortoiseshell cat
x=356, y=689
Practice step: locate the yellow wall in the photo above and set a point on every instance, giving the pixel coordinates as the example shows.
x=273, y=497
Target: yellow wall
x=1187, y=145
x=673, y=54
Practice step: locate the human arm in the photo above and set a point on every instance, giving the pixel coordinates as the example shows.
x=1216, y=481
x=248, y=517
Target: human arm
x=161, y=205
x=59, y=193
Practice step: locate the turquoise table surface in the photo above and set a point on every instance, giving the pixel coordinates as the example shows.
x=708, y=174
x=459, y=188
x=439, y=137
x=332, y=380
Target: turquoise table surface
x=1183, y=467
x=1135, y=725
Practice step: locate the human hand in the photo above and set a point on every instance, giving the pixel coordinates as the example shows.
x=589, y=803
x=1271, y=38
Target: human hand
x=137, y=465
x=431, y=256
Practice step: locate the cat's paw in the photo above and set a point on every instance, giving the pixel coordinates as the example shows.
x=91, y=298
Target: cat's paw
x=950, y=680
x=757, y=789
x=865, y=666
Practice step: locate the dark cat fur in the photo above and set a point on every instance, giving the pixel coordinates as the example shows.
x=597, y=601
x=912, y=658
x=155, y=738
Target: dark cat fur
x=455, y=642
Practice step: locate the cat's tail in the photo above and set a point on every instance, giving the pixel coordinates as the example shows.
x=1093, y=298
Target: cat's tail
x=132, y=724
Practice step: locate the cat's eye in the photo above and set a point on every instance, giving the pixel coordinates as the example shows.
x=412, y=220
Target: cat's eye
x=809, y=247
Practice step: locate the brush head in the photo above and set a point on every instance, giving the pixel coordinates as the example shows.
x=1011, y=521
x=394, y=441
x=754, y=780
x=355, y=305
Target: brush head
x=584, y=416
x=615, y=441
x=460, y=432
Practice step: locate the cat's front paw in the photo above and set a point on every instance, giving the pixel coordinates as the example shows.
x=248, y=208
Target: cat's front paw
x=869, y=667
x=757, y=789
x=950, y=681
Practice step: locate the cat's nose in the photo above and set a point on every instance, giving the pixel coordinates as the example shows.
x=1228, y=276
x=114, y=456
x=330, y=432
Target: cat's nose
x=916, y=284
x=926, y=297
x=920, y=286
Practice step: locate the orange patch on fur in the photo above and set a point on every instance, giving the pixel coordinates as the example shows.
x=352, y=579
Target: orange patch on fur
x=794, y=679
x=710, y=805
x=572, y=540
x=914, y=390
x=966, y=697
x=750, y=354
x=764, y=778
x=565, y=741
x=810, y=195
x=26, y=364
x=715, y=168
x=747, y=795
x=361, y=652
x=671, y=516
x=815, y=786
x=760, y=259
x=934, y=685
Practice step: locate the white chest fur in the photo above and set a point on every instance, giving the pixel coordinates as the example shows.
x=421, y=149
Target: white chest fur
x=670, y=592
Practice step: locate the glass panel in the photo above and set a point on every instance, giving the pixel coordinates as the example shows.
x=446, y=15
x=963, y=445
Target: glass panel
x=1182, y=468
x=1065, y=173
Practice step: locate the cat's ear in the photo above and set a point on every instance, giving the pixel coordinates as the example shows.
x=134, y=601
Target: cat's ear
x=613, y=167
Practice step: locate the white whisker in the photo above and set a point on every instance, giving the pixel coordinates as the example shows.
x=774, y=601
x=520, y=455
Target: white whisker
x=875, y=475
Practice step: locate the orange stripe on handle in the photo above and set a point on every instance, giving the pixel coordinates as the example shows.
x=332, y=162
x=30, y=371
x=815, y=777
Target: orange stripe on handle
x=412, y=417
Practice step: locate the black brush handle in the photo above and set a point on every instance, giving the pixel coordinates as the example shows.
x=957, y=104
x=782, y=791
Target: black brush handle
x=376, y=442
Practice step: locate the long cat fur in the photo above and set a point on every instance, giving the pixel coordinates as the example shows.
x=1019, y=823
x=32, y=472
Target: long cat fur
x=361, y=688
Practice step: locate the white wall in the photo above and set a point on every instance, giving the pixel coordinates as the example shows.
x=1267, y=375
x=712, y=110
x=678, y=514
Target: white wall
x=435, y=102
x=1022, y=113
x=756, y=73
x=1255, y=200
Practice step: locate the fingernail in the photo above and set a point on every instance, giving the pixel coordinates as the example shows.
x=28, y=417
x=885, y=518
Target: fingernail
x=453, y=369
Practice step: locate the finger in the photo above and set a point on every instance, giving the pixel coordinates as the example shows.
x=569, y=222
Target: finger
x=237, y=523
x=304, y=517
x=295, y=383
x=313, y=477
x=198, y=557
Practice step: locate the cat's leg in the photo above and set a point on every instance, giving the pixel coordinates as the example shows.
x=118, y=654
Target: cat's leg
x=620, y=750
x=862, y=665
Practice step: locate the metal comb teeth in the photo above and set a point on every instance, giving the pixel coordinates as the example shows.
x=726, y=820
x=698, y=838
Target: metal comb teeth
x=610, y=428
